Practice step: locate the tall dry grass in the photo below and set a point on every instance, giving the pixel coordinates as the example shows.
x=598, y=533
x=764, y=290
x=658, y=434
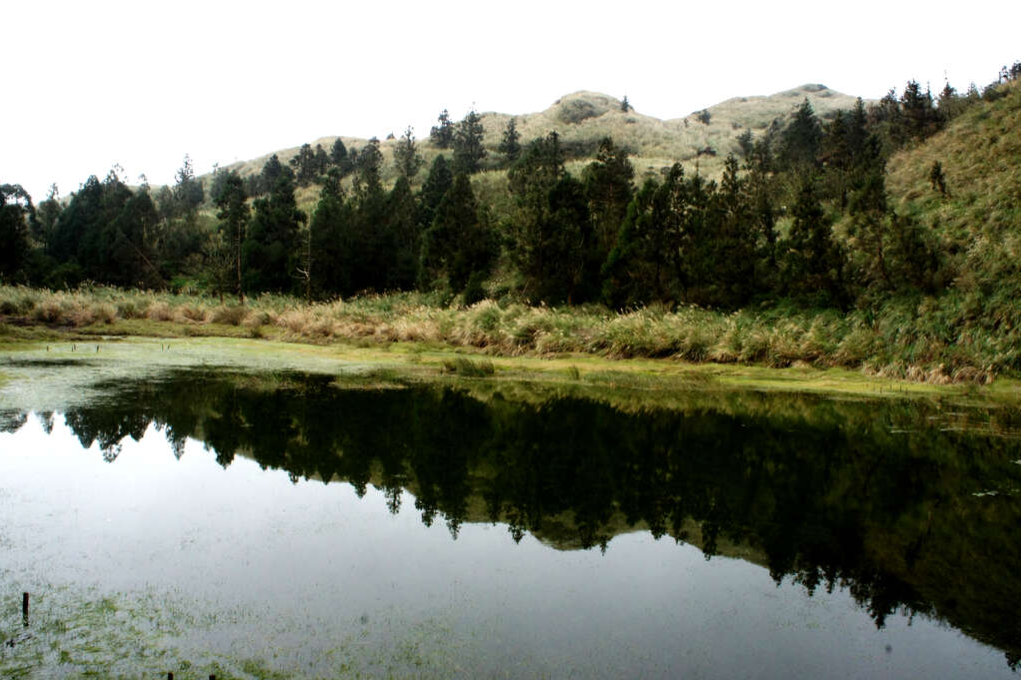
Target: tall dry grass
x=919, y=339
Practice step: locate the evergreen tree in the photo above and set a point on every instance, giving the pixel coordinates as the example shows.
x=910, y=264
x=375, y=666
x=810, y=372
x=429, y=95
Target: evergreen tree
x=733, y=245
x=233, y=213
x=625, y=105
x=46, y=218
x=338, y=157
x=270, y=253
x=812, y=262
x=333, y=239
x=373, y=240
x=188, y=192
x=467, y=143
x=368, y=180
x=801, y=140
x=442, y=135
x=639, y=268
x=403, y=226
x=920, y=118
x=608, y=190
x=16, y=216
x=510, y=144
x=271, y=172
x=305, y=165
x=552, y=233
x=407, y=160
x=439, y=181
x=460, y=243
x=322, y=161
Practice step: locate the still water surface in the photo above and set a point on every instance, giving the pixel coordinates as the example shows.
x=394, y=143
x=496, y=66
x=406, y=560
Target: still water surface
x=289, y=526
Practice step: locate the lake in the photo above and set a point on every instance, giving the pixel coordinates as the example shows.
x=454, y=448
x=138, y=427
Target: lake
x=282, y=523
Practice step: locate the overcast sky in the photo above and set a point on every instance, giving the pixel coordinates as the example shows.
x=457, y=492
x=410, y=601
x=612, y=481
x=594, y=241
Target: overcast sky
x=141, y=83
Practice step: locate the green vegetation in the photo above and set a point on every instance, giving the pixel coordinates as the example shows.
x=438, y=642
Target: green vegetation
x=881, y=236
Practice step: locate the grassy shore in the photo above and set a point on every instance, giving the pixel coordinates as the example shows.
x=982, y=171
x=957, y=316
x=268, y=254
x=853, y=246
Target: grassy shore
x=905, y=340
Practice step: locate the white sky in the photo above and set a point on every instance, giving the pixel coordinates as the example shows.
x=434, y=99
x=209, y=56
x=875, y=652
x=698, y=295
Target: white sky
x=141, y=83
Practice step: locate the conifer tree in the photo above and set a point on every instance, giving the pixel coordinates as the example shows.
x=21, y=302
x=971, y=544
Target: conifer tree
x=407, y=160
x=233, y=213
x=510, y=144
x=271, y=250
x=16, y=213
x=467, y=143
x=442, y=135
x=460, y=243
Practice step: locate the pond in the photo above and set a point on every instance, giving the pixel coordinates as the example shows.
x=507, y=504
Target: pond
x=287, y=524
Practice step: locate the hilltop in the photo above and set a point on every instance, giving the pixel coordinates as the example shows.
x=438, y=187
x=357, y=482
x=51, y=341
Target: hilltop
x=583, y=118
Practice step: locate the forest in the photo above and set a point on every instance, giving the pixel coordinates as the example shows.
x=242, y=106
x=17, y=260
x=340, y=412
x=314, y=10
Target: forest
x=800, y=218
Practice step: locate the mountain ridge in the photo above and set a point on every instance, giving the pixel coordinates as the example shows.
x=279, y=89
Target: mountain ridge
x=583, y=117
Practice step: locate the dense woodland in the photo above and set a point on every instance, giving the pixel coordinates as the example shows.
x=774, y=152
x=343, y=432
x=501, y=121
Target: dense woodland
x=763, y=232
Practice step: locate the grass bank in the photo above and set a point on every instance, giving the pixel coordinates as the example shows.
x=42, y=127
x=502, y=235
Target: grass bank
x=908, y=339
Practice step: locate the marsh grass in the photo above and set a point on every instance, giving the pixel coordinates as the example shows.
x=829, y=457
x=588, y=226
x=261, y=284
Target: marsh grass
x=922, y=339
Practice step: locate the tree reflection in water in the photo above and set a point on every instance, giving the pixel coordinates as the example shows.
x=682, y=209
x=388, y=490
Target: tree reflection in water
x=868, y=496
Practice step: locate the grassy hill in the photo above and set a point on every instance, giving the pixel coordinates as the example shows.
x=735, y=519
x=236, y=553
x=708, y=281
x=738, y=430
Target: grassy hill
x=583, y=118
x=979, y=220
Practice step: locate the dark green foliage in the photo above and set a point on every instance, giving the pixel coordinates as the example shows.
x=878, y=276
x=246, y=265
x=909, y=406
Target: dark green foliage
x=334, y=244
x=270, y=253
x=340, y=159
x=812, y=262
x=510, y=144
x=368, y=180
x=106, y=232
x=442, y=135
x=188, y=192
x=272, y=170
x=608, y=189
x=305, y=165
x=467, y=144
x=16, y=214
x=625, y=105
x=439, y=181
x=552, y=235
x=801, y=141
x=46, y=219
x=637, y=270
x=406, y=157
x=404, y=230
x=731, y=277
x=938, y=180
x=704, y=116
x=233, y=213
x=460, y=244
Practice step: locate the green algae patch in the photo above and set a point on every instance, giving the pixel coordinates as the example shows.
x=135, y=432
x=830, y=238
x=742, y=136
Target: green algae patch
x=34, y=373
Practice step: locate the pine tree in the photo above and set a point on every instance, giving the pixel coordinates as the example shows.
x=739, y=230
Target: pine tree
x=16, y=213
x=442, y=135
x=436, y=185
x=271, y=250
x=813, y=263
x=801, y=140
x=459, y=244
x=467, y=143
x=233, y=213
x=407, y=160
x=608, y=190
x=510, y=145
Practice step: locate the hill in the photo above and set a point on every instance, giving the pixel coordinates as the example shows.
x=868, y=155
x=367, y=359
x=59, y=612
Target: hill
x=583, y=118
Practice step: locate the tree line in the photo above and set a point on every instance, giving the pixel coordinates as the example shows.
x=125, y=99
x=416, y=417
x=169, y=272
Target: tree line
x=763, y=231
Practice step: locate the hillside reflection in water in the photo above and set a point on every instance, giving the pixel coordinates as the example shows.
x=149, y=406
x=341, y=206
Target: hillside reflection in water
x=909, y=509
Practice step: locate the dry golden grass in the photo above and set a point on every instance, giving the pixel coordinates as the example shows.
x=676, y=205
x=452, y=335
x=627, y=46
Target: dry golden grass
x=899, y=340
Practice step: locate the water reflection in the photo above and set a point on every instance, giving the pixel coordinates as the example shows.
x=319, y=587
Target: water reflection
x=898, y=502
